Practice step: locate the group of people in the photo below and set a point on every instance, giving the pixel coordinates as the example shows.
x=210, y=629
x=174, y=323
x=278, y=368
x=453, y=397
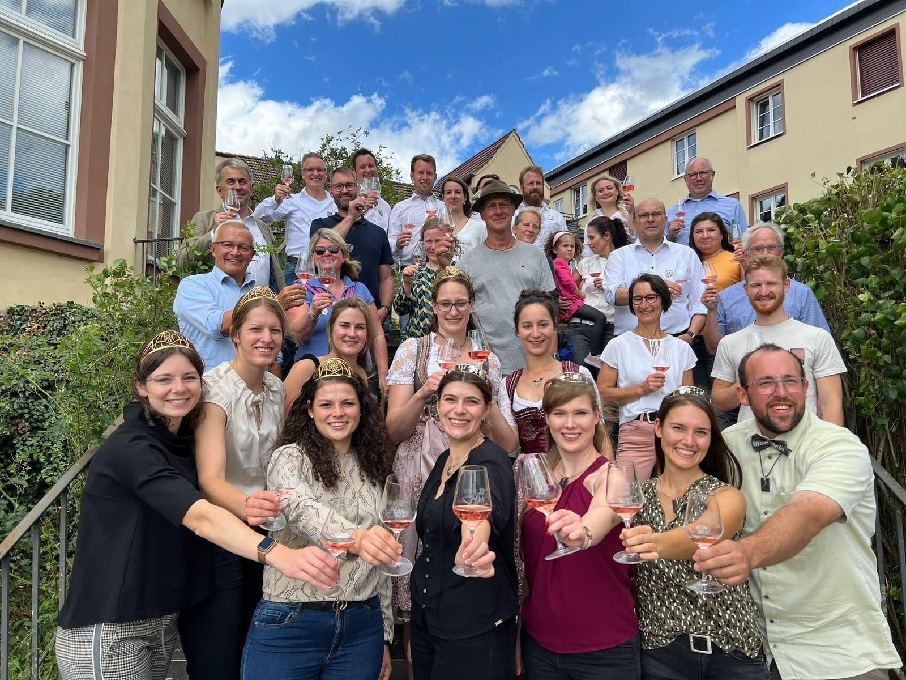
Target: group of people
x=248, y=515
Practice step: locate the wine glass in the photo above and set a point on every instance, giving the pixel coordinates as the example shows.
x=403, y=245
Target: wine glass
x=448, y=354
x=480, y=350
x=338, y=531
x=279, y=521
x=709, y=278
x=680, y=275
x=418, y=253
x=628, y=184
x=327, y=274
x=231, y=203
x=287, y=174
x=541, y=492
x=681, y=207
x=624, y=496
x=704, y=526
x=397, y=513
x=471, y=503
x=736, y=233
x=660, y=359
x=304, y=272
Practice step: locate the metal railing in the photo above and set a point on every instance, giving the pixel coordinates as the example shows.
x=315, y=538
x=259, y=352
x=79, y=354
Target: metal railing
x=886, y=488
x=152, y=249
x=57, y=496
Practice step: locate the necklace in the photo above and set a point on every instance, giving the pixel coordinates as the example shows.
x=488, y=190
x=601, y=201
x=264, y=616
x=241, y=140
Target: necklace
x=675, y=501
x=564, y=480
x=508, y=247
x=537, y=382
x=451, y=467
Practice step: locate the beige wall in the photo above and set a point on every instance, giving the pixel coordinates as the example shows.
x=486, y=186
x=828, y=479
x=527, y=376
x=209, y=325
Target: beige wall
x=31, y=275
x=824, y=134
x=508, y=163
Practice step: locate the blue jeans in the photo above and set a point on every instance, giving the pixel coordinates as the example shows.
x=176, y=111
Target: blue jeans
x=288, y=642
x=617, y=663
x=677, y=661
x=289, y=272
x=587, y=339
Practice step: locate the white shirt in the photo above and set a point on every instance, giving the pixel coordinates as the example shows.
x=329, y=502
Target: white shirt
x=594, y=296
x=586, y=251
x=380, y=214
x=551, y=222
x=414, y=210
x=298, y=211
x=260, y=266
x=472, y=233
x=627, y=263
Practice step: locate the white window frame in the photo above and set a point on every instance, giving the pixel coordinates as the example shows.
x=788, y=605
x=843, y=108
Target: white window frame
x=683, y=145
x=776, y=126
x=70, y=49
x=888, y=157
x=580, y=200
x=558, y=205
x=769, y=201
x=175, y=123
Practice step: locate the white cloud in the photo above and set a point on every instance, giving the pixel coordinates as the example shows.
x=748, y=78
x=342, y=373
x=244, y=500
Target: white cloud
x=261, y=17
x=248, y=122
x=643, y=84
x=786, y=32
x=485, y=101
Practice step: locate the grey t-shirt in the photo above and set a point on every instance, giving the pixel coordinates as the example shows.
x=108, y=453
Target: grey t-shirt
x=499, y=276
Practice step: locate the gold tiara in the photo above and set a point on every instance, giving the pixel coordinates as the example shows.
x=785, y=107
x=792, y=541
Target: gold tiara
x=474, y=369
x=449, y=273
x=165, y=340
x=256, y=293
x=334, y=367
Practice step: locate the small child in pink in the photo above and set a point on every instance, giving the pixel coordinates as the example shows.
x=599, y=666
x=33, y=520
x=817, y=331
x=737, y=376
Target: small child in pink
x=561, y=249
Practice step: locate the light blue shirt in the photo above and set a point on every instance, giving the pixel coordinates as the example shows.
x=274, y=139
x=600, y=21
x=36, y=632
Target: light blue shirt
x=200, y=303
x=728, y=208
x=735, y=312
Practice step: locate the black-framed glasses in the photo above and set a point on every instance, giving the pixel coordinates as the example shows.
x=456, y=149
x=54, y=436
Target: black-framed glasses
x=768, y=386
x=321, y=250
x=654, y=215
x=699, y=174
x=651, y=298
x=241, y=247
x=446, y=305
x=347, y=186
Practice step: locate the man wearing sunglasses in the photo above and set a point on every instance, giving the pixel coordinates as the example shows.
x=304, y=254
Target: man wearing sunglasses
x=766, y=285
x=699, y=177
x=369, y=243
x=810, y=516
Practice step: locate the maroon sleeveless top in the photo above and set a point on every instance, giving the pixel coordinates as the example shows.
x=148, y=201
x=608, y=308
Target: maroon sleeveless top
x=582, y=602
x=530, y=421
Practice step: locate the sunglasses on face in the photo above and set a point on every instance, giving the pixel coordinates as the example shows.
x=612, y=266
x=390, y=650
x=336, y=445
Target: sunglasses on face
x=320, y=250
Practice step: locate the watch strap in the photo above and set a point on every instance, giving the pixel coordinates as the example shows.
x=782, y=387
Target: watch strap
x=266, y=545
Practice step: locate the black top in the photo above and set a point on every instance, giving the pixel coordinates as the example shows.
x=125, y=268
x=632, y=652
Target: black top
x=134, y=559
x=455, y=607
x=370, y=248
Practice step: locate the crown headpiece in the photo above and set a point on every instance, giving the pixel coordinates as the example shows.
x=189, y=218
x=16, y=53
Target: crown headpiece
x=165, y=340
x=449, y=273
x=474, y=369
x=334, y=367
x=691, y=390
x=256, y=293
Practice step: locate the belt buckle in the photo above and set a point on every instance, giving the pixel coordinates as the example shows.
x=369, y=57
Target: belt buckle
x=340, y=605
x=698, y=641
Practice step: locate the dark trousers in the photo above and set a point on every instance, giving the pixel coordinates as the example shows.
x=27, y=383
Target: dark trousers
x=677, y=661
x=588, y=339
x=212, y=632
x=487, y=656
x=617, y=663
x=704, y=362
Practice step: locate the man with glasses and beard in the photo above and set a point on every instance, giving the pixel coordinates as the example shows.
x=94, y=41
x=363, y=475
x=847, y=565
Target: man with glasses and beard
x=806, y=545
x=766, y=284
x=369, y=243
x=531, y=183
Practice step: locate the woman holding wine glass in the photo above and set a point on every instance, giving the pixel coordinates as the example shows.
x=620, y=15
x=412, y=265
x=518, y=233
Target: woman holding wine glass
x=535, y=318
x=350, y=337
x=578, y=614
x=608, y=199
x=412, y=418
x=464, y=621
x=639, y=367
x=334, y=448
x=468, y=228
x=695, y=468
x=413, y=297
x=335, y=278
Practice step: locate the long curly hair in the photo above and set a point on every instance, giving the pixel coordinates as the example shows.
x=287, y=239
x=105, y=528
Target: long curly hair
x=370, y=441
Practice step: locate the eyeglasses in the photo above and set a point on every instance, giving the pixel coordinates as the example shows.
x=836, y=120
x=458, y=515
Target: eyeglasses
x=241, y=247
x=768, y=386
x=650, y=299
x=446, y=305
x=320, y=250
x=654, y=215
x=765, y=249
x=312, y=170
x=348, y=186
x=699, y=174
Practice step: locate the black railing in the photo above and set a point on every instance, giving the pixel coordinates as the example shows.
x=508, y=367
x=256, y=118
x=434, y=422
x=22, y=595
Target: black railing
x=151, y=250
x=890, y=494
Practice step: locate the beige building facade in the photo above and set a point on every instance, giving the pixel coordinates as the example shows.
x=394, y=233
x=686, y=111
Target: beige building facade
x=505, y=158
x=830, y=98
x=106, y=137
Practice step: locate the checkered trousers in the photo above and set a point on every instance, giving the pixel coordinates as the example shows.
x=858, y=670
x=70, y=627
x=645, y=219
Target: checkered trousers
x=138, y=650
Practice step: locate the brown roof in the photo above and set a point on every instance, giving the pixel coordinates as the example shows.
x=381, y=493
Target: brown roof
x=466, y=171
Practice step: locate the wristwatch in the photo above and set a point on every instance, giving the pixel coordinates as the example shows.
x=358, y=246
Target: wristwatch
x=588, y=537
x=264, y=548
x=691, y=334
x=387, y=307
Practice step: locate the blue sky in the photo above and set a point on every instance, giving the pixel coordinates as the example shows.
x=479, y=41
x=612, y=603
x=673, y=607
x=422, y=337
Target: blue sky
x=448, y=77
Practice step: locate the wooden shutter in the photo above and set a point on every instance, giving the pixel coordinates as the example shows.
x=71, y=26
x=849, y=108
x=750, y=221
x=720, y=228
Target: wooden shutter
x=879, y=64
